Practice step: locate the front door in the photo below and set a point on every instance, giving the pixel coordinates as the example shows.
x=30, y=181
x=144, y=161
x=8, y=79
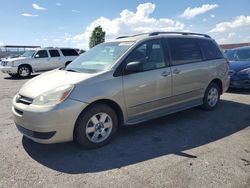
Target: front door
x=41, y=61
x=147, y=90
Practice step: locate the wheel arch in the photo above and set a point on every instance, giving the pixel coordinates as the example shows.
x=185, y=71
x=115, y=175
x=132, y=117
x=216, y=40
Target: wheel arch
x=108, y=102
x=25, y=64
x=219, y=83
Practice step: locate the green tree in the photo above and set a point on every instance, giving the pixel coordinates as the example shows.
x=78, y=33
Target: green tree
x=97, y=36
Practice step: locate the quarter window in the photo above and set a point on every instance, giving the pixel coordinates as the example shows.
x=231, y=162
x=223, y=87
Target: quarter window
x=210, y=50
x=184, y=50
x=69, y=52
x=54, y=53
x=150, y=54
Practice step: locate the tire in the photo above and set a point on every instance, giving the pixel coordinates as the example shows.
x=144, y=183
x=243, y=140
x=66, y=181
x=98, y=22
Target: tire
x=96, y=126
x=212, y=97
x=24, y=71
x=13, y=75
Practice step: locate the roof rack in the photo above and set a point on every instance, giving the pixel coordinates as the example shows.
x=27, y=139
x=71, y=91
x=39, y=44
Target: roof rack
x=161, y=32
x=180, y=33
x=121, y=37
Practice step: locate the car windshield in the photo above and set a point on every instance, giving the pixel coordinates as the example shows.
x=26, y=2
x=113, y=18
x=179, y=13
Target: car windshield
x=238, y=55
x=29, y=53
x=99, y=58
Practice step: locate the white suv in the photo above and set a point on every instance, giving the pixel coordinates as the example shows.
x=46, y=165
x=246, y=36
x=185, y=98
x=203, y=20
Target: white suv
x=39, y=60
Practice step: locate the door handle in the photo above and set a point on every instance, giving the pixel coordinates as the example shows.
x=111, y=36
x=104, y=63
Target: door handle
x=165, y=73
x=176, y=71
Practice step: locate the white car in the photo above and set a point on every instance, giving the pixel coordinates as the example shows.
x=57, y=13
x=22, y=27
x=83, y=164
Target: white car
x=39, y=60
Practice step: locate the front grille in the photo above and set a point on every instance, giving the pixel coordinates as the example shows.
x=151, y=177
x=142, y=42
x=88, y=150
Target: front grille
x=23, y=100
x=4, y=63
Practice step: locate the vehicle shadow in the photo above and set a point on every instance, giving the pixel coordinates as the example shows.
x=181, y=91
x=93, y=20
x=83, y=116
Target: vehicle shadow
x=239, y=91
x=172, y=134
x=18, y=78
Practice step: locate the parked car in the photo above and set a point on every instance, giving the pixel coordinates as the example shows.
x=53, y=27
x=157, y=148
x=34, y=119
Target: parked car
x=239, y=67
x=39, y=60
x=123, y=82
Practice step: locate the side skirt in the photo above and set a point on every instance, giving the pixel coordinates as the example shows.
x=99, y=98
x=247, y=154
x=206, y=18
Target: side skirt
x=164, y=112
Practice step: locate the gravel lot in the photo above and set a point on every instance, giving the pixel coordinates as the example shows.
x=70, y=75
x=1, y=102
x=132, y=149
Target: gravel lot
x=187, y=149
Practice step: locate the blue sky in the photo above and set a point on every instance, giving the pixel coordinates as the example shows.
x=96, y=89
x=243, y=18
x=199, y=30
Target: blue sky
x=69, y=23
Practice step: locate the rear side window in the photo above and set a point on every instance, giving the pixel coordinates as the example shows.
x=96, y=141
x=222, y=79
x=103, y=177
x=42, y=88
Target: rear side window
x=184, y=50
x=210, y=50
x=69, y=52
x=54, y=53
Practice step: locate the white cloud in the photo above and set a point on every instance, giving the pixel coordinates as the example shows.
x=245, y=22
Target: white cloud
x=204, y=19
x=29, y=15
x=37, y=7
x=192, y=12
x=37, y=39
x=126, y=24
x=228, y=39
x=58, y=4
x=212, y=15
x=1, y=43
x=45, y=39
x=75, y=11
x=56, y=40
x=239, y=21
x=231, y=35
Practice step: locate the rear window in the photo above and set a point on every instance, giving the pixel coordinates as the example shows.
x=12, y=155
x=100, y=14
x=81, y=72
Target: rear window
x=210, y=50
x=54, y=53
x=184, y=50
x=69, y=52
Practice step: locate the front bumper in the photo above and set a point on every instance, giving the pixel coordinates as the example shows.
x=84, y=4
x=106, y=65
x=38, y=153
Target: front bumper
x=47, y=124
x=8, y=69
x=240, y=84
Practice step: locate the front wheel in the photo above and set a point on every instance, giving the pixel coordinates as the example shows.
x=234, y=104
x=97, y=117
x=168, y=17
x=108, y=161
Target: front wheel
x=24, y=71
x=212, y=97
x=96, y=126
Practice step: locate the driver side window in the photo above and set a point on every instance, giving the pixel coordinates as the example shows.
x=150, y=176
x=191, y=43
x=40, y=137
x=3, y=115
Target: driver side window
x=150, y=54
x=41, y=54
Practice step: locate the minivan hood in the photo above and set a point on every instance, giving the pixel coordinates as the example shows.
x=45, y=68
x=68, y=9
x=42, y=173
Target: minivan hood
x=51, y=80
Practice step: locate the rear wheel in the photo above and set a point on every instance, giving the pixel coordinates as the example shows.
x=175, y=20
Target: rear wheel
x=24, y=71
x=96, y=126
x=212, y=97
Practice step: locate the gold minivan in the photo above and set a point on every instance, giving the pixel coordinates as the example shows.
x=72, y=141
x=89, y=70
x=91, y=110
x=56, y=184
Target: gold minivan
x=126, y=81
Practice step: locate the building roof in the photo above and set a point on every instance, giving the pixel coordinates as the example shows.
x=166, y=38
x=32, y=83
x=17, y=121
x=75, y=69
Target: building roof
x=19, y=46
x=235, y=45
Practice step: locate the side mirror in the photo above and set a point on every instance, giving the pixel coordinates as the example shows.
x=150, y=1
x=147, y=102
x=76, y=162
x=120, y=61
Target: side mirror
x=36, y=56
x=135, y=66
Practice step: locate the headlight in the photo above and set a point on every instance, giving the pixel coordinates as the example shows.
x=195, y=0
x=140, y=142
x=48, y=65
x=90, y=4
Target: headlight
x=245, y=71
x=54, y=96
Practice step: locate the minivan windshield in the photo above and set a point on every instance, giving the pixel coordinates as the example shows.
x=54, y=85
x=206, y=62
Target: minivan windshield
x=99, y=58
x=29, y=53
x=238, y=55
